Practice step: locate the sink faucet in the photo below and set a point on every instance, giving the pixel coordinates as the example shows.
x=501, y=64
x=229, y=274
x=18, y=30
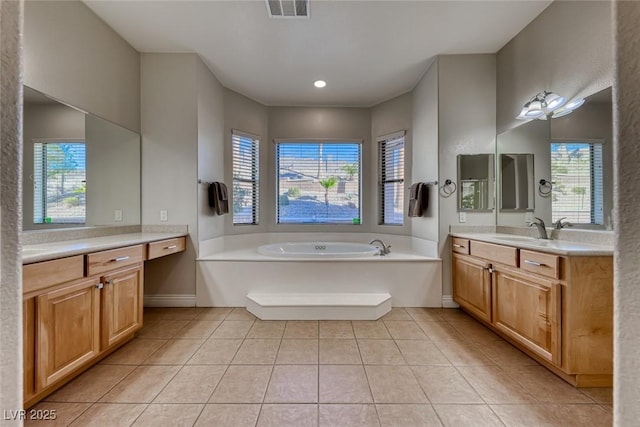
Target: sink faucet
x=559, y=225
x=542, y=230
x=384, y=250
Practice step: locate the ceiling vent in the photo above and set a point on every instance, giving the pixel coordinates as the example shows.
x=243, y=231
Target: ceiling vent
x=288, y=8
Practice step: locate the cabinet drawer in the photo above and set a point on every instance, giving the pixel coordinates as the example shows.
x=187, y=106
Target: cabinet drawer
x=101, y=262
x=45, y=274
x=460, y=246
x=540, y=263
x=497, y=253
x=166, y=247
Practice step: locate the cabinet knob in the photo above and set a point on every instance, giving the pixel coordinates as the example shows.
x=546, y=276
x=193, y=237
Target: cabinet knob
x=99, y=286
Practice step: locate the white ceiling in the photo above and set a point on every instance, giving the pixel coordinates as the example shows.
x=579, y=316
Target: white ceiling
x=367, y=51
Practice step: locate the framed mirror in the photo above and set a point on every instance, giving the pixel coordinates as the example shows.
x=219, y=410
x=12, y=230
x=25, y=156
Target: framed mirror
x=476, y=182
x=517, y=187
x=78, y=170
x=574, y=154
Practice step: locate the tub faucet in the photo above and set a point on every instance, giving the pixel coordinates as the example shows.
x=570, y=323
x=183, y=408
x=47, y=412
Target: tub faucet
x=384, y=250
x=542, y=230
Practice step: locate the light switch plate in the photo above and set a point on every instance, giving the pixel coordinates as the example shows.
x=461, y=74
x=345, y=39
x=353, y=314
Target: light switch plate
x=462, y=216
x=164, y=215
x=117, y=215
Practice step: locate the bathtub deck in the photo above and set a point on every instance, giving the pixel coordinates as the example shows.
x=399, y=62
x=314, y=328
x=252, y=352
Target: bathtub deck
x=318, y=306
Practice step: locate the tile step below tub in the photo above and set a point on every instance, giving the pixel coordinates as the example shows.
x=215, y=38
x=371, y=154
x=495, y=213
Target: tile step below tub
x=318, y=306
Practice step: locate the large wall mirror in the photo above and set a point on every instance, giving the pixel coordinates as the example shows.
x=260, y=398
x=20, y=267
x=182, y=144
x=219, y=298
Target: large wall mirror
x=573, y=155
x=475, y=182
x=78, y=170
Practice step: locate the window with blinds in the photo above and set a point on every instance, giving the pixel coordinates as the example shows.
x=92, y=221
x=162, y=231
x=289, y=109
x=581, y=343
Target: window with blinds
x=391, y=173
x=59, y=182
x=318, y=182
x=245, y=178
x=576, y=173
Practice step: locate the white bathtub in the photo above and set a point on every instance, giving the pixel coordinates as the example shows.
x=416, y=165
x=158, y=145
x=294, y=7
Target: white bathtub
x=319, y=249
x=231, y=267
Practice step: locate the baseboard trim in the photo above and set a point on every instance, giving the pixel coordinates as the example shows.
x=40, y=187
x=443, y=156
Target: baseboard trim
x=448, y=302
x=170, y=300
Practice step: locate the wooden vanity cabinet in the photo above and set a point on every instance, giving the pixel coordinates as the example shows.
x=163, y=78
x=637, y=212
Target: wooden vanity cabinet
x=121, y=304
x=527, y=309
x=67, y=330
x=558, y=309
x=472, y=285
x=77, y=310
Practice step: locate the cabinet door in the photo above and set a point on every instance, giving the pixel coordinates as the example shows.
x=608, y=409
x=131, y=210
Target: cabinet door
x=527, y=309
x=121, y=304
x=68, y=328
x=28, y=343
x=472, y=285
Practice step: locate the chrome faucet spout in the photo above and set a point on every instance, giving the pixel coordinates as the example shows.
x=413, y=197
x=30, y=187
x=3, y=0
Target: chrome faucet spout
x=542, y=229
x=384, y=250
x=560, y=224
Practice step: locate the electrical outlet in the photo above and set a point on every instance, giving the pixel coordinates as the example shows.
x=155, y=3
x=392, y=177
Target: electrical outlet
x=528, y=217
x=164, y=216
x=462, y=216
x=117, y=215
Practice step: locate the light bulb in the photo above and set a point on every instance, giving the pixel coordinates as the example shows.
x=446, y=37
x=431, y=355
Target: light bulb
x=554, y=101
x=574, y=103
x=319, y=83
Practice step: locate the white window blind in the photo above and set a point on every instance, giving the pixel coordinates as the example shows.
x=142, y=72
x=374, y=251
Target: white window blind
x=391, y=184
x=576, y=173
x=245, y=195
x=318, y=182
x=59, y=182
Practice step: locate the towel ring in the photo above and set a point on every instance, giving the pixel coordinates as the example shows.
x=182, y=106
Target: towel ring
x=545, y=187
x=448, y=188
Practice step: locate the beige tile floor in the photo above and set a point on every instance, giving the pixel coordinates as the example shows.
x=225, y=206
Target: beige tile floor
x=415, y=367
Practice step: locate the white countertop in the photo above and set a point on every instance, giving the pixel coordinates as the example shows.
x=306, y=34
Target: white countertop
x=65, y=248
x=560, y=247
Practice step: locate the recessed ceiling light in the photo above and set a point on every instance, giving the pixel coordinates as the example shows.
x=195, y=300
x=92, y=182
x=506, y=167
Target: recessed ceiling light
x=319, y=83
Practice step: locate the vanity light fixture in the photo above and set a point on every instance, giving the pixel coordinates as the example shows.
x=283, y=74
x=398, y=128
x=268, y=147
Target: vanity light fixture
x=541, y=105
x=569, y=108
x=319, y=83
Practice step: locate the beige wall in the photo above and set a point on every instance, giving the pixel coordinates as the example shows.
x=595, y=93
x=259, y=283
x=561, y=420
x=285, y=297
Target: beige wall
x=245, y=115
x=52, y=121
x=10, y=198
x=627, y=184
x=73, y=56
x=211, y=160
x=169, y=162
x=321, y=123
x=386, y=118
x=182, y=141
x=424, y=162
x=466, y=125
x=567, y=49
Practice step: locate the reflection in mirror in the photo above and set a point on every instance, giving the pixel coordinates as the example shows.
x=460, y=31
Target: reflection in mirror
x=574, y=153
x=78, y=169
x=475, y=182
x=516, y=182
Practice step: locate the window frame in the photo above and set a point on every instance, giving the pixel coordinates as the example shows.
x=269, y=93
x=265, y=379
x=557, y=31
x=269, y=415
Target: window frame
x=254, y=180
x=42, y=201
x=382, y=143
x=596, y=194
x=278, y=141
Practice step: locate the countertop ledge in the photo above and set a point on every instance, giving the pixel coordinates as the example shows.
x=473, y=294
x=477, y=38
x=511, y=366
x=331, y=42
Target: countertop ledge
x=559, y=247
x=66, y=248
